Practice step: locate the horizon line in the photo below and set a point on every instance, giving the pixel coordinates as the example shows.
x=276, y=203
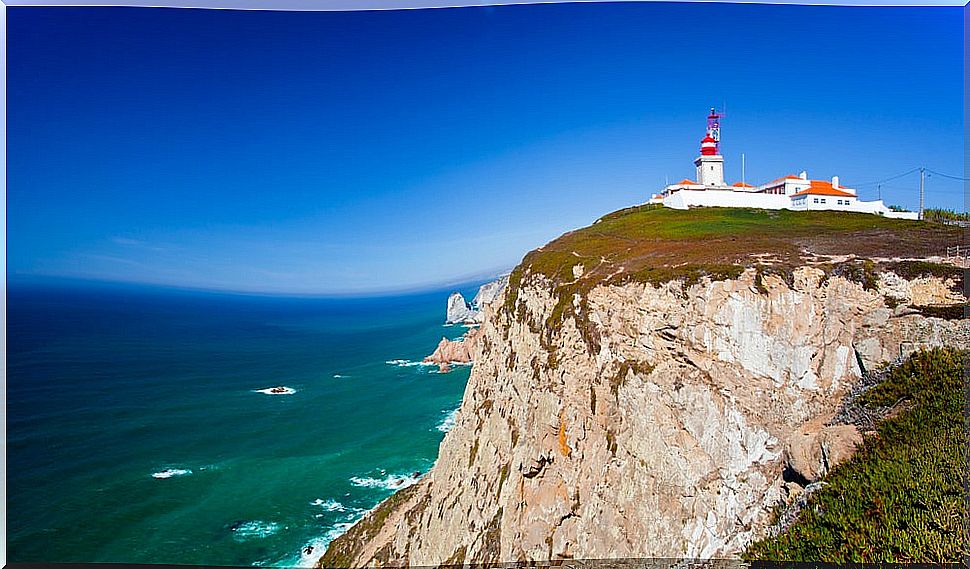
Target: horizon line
x=36, y=278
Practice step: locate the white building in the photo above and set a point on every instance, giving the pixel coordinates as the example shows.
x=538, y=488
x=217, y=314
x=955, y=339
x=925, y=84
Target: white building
x=792, y=192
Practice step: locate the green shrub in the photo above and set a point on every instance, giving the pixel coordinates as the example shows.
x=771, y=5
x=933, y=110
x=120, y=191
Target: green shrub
x=941, y=215
x=901, y=496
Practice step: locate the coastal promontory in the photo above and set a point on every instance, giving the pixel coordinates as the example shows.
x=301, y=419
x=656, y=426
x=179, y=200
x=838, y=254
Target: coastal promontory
x=658, y=383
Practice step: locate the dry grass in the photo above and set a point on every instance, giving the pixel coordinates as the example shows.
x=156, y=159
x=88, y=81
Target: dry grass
x=657, y=244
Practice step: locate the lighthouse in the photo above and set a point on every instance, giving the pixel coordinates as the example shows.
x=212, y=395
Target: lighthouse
x=710, y=164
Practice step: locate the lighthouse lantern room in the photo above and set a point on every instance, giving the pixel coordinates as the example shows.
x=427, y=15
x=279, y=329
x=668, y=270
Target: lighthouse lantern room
x=710, y=164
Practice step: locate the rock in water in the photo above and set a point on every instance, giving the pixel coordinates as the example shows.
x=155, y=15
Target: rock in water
x=458, y=309
x=455, y=351
x=488, y=292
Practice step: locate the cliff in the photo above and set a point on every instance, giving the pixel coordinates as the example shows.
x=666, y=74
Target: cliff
x=461, y=311
x=646, y=382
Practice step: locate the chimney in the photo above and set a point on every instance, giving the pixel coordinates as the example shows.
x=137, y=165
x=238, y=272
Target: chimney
x=835, y=181
x=803, y=175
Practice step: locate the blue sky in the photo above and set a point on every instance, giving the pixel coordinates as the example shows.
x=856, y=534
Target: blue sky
x=358, y=152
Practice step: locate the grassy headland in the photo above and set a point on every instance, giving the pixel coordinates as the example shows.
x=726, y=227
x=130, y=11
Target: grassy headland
x=655, y=244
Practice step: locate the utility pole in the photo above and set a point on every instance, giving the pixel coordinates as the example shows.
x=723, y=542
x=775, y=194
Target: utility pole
x=922, y=175
x=742, y=169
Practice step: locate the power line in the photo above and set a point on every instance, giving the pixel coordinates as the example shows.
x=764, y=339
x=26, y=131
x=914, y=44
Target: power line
x=948, y=176
x=907, y=173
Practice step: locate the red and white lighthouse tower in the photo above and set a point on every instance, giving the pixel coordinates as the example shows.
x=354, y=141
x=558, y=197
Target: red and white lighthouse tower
x=710, y=164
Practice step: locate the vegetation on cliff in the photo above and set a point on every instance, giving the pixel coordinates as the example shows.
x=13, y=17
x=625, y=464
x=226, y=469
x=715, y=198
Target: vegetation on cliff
x=343, y=550
x=651, y=243
x=901, y=496
x=945, y=215
x=655, y=244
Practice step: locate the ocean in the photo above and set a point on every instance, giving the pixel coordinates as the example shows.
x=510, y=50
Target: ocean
x=140, y=428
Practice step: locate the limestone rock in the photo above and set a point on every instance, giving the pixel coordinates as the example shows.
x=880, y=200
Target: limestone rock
x=489, y=292
x=813, y=452
x=461, y=311
x=455, y=351
x=657, y=426
x=458, y=309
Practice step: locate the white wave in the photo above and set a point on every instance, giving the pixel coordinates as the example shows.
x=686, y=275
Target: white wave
x=254, y=529
x=339, y=376
x=329, y=505
x=408, y=363
x=448, y=422
x=313, y=550
x=170, y=472
x=279, y=390
x=390, y=482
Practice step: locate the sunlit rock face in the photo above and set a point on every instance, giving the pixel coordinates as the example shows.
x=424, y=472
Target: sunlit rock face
x=461, y=311
x=458, y=309
x=655, y=422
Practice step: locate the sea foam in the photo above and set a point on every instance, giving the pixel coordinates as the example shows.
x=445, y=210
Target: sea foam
x=408, y=363
x=312, y=551
x=170, y=472
x=448, y=422
x=281, y=390
x=329, y=505
x=254, y=530
x=390, y=482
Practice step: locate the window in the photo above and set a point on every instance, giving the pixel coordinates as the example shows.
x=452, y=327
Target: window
x=815, y=200
x=839, y=202
x=823, y=200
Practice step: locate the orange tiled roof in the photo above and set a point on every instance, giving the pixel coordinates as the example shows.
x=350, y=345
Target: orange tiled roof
x=741, y=185
x=823, y=188
x=782, y=179
x=686, y=182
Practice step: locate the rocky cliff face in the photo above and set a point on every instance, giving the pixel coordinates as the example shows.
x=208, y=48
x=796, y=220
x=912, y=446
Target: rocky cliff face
x=489, y=292
x=654, y=421
x=461, y=311
x=458, y=310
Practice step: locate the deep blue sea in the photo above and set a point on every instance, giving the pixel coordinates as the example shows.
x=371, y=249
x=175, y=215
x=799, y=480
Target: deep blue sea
x=138, y=432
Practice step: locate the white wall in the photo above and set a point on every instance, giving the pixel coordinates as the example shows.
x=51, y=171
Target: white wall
x=684, y=199
x=876, y=207
x=724, y=198
x=902, y=214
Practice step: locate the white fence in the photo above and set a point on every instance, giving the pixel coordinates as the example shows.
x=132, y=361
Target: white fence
x=958, y=252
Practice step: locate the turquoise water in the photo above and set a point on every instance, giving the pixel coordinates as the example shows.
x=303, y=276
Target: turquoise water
x=137, y=432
